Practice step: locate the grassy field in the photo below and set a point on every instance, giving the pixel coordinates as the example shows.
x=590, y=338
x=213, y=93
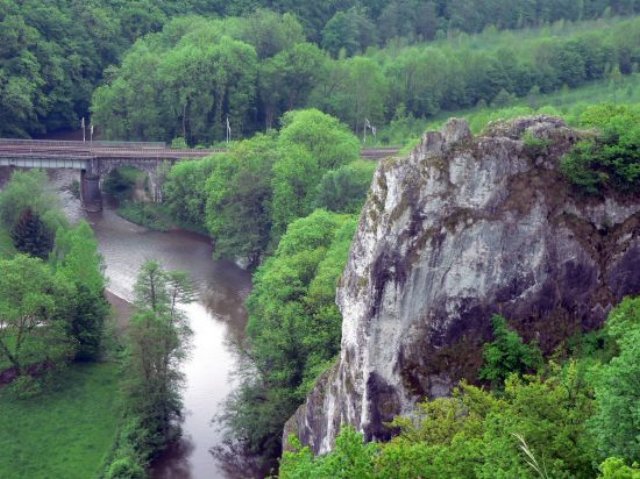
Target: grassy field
x=568, y=104
x=64, y=433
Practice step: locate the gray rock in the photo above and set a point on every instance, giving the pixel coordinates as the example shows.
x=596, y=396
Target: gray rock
x=460, y=230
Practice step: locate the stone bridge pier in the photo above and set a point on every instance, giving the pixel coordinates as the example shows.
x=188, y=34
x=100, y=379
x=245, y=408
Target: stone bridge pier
x=98, y=169
x=90, y=194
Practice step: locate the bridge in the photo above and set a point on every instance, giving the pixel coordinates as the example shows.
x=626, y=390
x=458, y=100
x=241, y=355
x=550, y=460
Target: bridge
x=98, y=158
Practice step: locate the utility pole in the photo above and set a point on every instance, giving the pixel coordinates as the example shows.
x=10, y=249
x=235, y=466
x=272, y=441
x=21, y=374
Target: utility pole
x=367, y=124
x=84, y=138
x=91, y=135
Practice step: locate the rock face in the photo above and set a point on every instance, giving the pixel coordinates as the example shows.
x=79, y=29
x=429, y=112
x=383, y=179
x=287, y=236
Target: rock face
x=461, y=229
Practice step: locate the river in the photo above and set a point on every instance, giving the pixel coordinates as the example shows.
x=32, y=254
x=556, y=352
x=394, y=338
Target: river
x=217, y=318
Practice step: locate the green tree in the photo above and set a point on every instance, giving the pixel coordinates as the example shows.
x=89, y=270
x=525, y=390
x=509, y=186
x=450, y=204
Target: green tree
x=31, y=236
x=294, y=326
x=185, y=192
x=271, y=33
x=287, y=79
x=615, y=468
x=617, y=422
x=610, y=160
x=77, y=260
x=239, y=199
x=323, y=136
x=28, y=190
x=31, y=300
x=294, y=176
x=344, y=190
x=157, y=341
x=350, y=31
x=351, y=457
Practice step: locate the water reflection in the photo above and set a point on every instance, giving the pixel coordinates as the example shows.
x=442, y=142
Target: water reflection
x=178, y=465
x=237, y=464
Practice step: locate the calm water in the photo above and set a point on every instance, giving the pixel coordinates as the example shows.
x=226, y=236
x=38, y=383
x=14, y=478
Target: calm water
x=217, y=319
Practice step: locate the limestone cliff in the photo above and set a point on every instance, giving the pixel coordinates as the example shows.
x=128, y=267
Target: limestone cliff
x=463, y=228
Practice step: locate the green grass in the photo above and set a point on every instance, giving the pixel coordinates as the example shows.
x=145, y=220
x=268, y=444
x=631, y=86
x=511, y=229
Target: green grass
x=63, y=433
x=150, y=215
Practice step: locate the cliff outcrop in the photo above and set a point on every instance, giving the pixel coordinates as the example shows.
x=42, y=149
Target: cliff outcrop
x=463, y=228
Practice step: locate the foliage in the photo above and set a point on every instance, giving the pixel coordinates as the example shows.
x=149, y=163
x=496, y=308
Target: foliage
x=610, y=159
x=171, y=85
x=65, y=433
x=76, y=259
x=157, y=341
x=294, y=326
x=239, y=196
x=350, y=458
x=193, y=79
x=263, y=184
x=310, y=143
x=52, y=311
x=185, y=194
x=32, y=304
x=616, y=423
x=28, y=190
x=31, y=236
x=476, y=434
x=507, y=354
x=7, y=249
x=615, y=468
x=344, y=190
x=54, y=55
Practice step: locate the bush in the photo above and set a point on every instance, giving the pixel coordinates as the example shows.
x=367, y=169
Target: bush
x=611, y=158
x=507, y=354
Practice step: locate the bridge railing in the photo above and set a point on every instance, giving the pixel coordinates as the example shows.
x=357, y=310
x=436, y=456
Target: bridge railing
x=45, y=155
x=141, y=145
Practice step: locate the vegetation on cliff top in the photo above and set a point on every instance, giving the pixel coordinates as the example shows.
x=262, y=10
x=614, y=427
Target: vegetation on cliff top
x=610, y=159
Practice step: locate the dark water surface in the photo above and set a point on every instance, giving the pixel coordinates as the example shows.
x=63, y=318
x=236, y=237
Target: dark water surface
x=217, y=318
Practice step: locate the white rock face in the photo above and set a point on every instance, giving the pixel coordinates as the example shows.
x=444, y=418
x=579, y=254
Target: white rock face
x=460, y=230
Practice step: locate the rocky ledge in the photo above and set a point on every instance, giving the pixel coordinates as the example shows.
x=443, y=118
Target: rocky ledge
x=463, y=228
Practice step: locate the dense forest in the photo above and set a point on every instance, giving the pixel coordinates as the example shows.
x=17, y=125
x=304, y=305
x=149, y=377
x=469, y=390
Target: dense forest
x=55, y=54
x=234, y=74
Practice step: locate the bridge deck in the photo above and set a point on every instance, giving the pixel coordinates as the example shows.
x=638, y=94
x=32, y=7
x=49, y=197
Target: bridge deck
x=41, y=150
